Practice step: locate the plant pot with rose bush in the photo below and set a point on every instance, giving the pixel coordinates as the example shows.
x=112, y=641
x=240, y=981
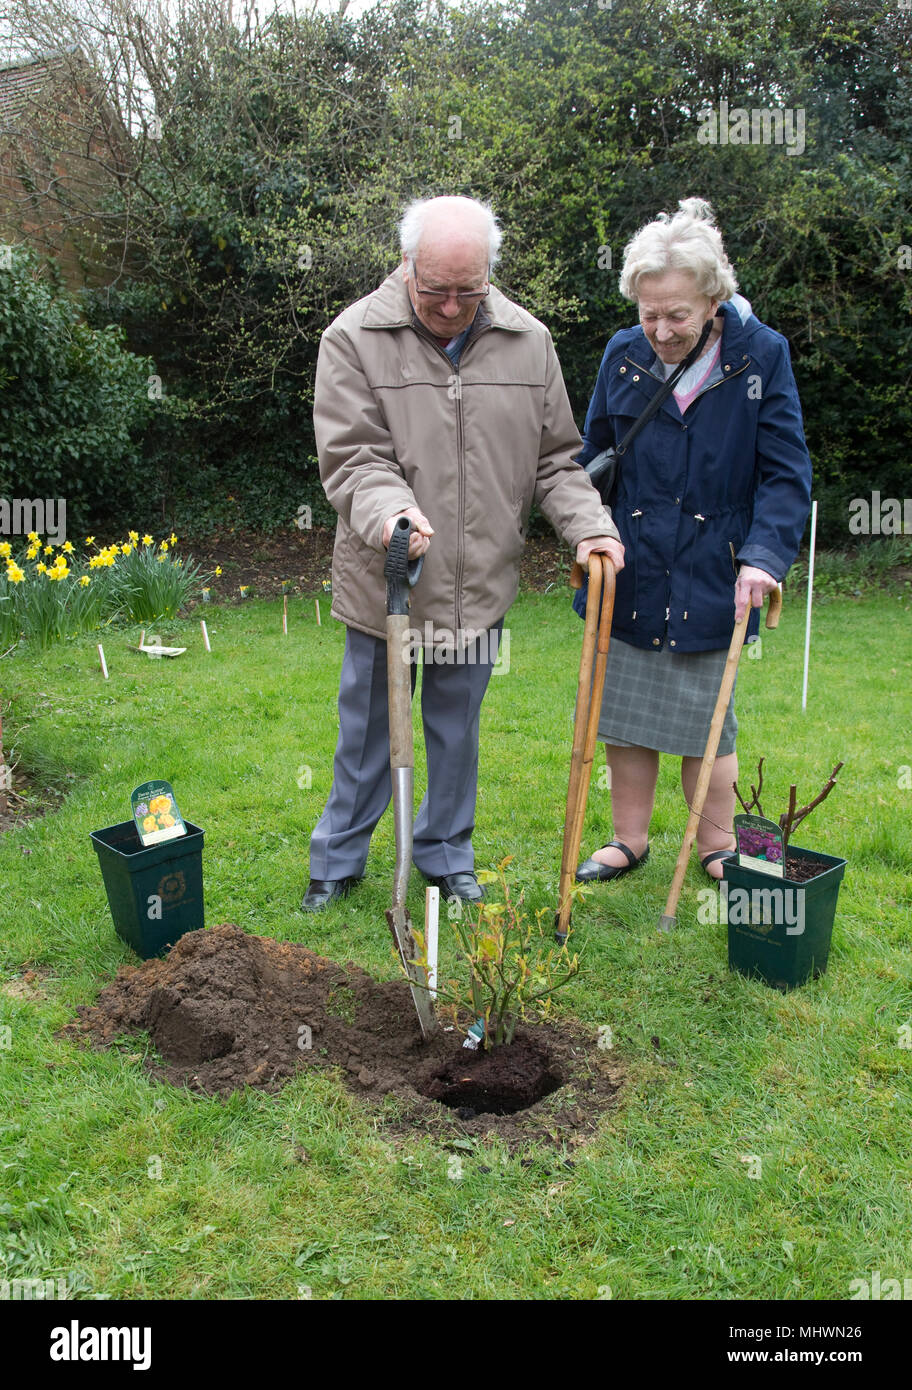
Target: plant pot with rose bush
x=780, y=899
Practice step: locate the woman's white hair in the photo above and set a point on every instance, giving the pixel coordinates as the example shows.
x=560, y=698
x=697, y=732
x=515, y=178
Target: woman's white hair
x=691, y=241
x=412, y=223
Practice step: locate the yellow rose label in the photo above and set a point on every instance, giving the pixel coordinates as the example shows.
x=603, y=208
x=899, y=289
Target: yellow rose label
x=155, y=813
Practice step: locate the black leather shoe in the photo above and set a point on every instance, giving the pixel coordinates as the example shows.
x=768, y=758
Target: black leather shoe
x=591, y=871
x=322, y=891
x=463, y=885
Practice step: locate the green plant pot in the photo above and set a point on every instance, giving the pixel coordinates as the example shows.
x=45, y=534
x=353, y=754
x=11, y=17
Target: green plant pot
x=779, y=929
x=155, y=893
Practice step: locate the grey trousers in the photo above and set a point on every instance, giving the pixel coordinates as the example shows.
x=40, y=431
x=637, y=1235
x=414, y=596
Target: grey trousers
x=451, y=697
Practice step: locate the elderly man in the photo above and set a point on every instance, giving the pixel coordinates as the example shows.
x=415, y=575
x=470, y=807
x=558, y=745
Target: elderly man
x=438, y=399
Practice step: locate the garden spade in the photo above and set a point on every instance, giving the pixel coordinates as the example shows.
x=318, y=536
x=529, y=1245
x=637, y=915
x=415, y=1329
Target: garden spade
x=667, y=920
x=402, y=575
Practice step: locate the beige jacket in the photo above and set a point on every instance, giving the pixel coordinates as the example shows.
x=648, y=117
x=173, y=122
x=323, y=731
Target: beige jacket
x=397, y=426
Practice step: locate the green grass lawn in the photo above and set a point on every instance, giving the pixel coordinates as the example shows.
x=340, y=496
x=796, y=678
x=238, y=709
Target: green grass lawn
x=304, y=1193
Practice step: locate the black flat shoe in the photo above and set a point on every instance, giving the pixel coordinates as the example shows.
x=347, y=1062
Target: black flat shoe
x=462, y=885
x=711, y=859
x=591, y=871
x=322, y=891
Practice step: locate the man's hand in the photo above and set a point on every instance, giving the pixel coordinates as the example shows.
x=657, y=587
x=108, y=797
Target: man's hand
x=752, y=587
x=419, y=540
x=602, y=545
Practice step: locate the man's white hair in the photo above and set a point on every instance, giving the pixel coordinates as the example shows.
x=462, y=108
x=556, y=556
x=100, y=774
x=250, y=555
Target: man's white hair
x=412, y=223
x=691, y=241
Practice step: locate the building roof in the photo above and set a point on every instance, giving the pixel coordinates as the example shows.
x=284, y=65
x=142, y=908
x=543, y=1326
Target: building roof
x=22, y=82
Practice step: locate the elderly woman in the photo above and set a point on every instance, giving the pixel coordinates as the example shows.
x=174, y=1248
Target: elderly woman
x=711, y=502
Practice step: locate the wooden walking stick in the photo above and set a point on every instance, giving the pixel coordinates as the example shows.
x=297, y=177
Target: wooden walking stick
x=593, y=661
x=667, y=920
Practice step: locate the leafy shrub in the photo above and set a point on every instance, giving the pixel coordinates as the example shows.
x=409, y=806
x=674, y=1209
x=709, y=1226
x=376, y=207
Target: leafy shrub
x=73, y=400
x=511, y=977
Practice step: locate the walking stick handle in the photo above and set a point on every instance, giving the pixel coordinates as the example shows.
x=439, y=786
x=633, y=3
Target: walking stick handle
x=774, y=610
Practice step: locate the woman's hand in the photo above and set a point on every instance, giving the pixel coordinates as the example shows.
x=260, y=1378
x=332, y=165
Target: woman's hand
x=751, y=588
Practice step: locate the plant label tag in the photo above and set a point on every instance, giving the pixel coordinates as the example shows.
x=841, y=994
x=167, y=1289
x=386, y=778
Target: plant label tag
x=476, y=1035
x=760, y=845
x=155, y=813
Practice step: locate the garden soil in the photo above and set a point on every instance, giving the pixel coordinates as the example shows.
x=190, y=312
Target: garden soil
x=225, y=1009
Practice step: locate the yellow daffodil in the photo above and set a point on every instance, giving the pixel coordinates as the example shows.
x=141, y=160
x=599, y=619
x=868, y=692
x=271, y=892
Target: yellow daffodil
x=133, y=536
x=67, y=547
x=90, y=540
x=31, y=552
x=14, y=574
x=125, y=549
x=41, y=567
x=164, y=547
x=48, y=550
x=173, y=538
x=33, y=537
x=147, y=539
x=218, y=569
x=161, y=559
x=6, y=550
x=85, y=581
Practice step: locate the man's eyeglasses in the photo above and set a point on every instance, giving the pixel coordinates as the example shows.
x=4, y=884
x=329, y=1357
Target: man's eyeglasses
x=439, y=296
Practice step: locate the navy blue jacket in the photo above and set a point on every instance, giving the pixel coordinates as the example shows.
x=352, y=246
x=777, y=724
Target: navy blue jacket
x=729, y=481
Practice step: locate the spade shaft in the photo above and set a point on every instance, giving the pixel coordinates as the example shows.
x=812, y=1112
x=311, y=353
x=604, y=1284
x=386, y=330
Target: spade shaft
x=401, y=576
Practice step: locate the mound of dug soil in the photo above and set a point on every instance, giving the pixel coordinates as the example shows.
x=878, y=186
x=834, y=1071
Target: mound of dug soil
x=226, y=1010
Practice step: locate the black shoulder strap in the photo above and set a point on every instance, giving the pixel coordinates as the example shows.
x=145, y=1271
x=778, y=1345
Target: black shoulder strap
x=664, y=391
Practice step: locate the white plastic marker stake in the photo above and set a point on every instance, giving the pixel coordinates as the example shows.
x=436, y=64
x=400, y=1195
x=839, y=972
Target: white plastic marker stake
x=317, y=606
x=142, y=638
x=807, y=627
x=431, y=925
x=104, y=664
x=205, y=632
x=285, y=614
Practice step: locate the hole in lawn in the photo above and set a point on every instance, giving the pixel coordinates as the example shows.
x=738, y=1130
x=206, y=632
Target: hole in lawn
x=226, y=1009
x=502, y=1081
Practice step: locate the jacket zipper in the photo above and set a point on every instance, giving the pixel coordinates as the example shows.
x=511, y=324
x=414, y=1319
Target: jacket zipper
x=460, y=471
x=460, y=463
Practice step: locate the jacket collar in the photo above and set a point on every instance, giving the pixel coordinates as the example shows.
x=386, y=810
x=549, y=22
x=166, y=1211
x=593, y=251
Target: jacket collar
x=390, y=307
x=734, y=355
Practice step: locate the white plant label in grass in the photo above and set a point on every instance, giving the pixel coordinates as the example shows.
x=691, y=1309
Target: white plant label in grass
x=155, y=813
x=760, y=845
